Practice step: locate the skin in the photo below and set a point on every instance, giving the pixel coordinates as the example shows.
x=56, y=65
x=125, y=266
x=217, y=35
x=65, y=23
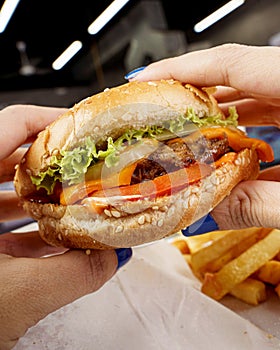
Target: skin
x=26, y=278
x=247, y=77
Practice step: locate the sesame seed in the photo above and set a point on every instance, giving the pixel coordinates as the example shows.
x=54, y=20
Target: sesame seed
x=219, y=172
x=171, y=212
x=152, y=83
x=88, y=252
x=160, y=222
x=237, y=161
x=119, y=229
x=154, y=222
x=107, y=212
x=222, y=179
x=116, y=213
x=186, y=194
x=225, y=170
x=141, y=220
x=192, y=200
x=148, y=218
x=55, y=152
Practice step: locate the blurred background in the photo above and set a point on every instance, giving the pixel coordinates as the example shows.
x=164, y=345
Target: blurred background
x=37, y=33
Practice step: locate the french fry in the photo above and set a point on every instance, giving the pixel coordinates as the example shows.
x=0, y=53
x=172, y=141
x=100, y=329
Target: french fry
x=216, y=254
x=198, y=242
x=187, y=258
x=182, y=245
x=270, y=272
x=236, y=250
x=251, y=291
x=218, y=284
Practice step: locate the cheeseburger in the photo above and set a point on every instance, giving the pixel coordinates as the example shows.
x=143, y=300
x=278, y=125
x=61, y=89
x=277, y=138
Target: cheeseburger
x=133, y=164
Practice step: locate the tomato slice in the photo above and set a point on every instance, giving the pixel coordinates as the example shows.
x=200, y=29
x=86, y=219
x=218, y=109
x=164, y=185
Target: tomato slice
x=160, y=186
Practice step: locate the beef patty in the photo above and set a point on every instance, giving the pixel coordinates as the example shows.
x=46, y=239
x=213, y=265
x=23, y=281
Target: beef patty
x=178, y=153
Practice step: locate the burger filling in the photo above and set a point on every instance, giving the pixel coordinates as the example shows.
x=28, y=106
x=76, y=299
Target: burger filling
x=180, y=155
x=163, y=158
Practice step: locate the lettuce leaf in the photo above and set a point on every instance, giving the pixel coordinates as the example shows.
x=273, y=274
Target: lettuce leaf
x=70, y=166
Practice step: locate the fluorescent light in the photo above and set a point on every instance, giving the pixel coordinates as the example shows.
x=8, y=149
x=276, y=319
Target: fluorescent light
x=217, y=15
x=6, y=13
x=106, y=16
x=67, y=55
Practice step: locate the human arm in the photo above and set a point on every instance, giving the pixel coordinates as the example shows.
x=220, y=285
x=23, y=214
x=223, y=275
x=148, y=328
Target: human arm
x=32, y=286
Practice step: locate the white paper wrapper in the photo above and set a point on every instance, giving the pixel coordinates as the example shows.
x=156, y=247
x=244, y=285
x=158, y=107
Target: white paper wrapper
x=154, y=303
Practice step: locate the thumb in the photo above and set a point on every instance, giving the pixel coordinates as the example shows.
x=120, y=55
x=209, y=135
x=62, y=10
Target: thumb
x=251, y=203
x=36, y=287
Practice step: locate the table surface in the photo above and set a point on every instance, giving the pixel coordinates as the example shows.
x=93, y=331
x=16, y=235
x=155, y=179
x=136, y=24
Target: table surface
x=154, y=302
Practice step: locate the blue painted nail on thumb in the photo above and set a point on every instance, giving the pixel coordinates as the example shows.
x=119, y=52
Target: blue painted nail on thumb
x=133, y=73
x=123, y=255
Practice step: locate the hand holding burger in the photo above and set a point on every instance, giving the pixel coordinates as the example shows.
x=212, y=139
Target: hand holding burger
x=25, y=277
x=248, y=78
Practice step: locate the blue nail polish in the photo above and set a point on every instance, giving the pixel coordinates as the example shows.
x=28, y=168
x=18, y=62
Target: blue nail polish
x=203, y=225
x=124, y=255
x=133, y=73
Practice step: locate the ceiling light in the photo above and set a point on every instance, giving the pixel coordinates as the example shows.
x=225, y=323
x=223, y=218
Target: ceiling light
x=217, y=15
x=106, y=16
x=6, y=13
x=66, y=55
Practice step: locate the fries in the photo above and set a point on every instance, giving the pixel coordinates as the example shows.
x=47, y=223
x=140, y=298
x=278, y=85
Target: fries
x=242, y=263
x=212, y=257
x=251, y=291
x=182, y=246
x=270, y=272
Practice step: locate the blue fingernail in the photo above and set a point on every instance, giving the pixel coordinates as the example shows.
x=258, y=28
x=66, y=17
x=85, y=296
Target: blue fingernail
x=203, y=225
x=133, y=73
x=124, y=255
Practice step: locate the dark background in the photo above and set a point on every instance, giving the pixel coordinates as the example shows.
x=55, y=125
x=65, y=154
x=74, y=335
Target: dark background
x=142, y=32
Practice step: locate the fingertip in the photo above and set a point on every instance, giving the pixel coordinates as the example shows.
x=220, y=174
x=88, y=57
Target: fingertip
x=123, y=255
x=132, y=74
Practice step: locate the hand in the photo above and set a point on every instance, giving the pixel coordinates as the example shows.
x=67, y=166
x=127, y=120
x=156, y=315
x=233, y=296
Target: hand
x=247, y=77
x=32, y=286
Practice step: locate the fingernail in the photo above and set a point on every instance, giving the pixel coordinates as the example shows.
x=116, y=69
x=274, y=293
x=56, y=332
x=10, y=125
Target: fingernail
x=124, y=255
x=203, y=225
x=133, y=73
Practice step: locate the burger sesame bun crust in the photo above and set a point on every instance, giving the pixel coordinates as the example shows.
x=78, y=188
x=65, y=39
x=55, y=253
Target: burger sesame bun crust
x=135, y=104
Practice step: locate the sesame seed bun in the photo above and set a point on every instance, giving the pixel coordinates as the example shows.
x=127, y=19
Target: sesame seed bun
x=125, y=224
